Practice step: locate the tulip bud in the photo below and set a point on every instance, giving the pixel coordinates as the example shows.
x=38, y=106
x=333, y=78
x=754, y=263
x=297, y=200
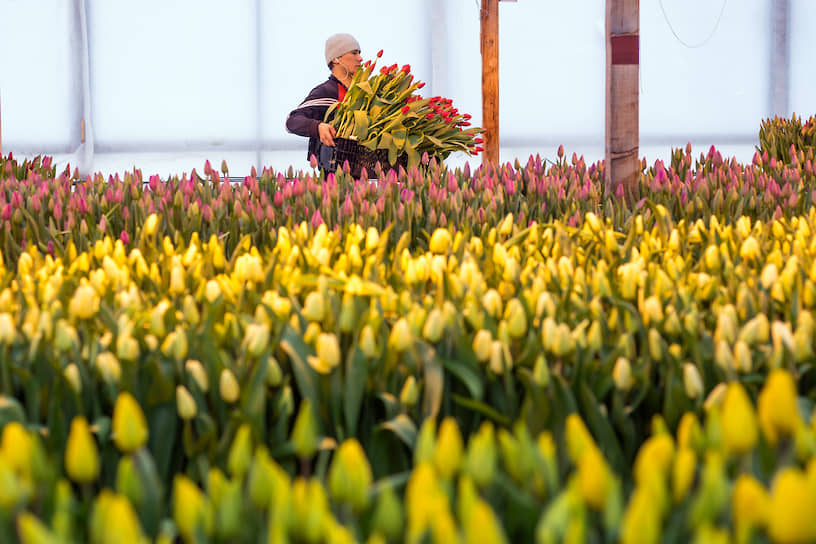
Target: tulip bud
x=310, y=510
x=85, y=302
x=129, y=424
x=481, y=344
x=440, y=241
x=71, y=374
x=492, y=303
x=481, y=458
x=304, y=433
x=8, y=332
x=31, y=530
x=240, y=453
x=516, y=318
x=777, y=406
x=109, y=367
x=228, y=386
x=314, y=308
x=185, y=403
x=750, y=504
x=388, y=518
x=434, y=326
x=81, y=453
x=328, y=353
x=622, y=374
x=410, y=392
x=128, y=481
x=692, y=381
x=368, y=343
x=401, y=337
x=749, y=250
x=151, y=224
x=792, y=508
x=448, y=452
x=739, y=423
x=256, y=338
x=350, y=476
x=198, y=373
x=191, y=509
x=594, y=478
x=685, y=464
x=426, y=442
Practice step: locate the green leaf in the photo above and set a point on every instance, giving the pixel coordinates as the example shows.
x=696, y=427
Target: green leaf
x=292, y=343
x=467, y=374
x=365, y=87
x=404, y=427
x=482, y=408
x=434, y=380
x=360, y=125
x=354, y=388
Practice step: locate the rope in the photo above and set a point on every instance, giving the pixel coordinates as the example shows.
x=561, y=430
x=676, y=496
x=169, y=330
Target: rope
x=705, y=41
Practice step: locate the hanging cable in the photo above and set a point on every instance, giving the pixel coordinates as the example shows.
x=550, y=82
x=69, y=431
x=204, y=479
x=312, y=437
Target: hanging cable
x=705, y=41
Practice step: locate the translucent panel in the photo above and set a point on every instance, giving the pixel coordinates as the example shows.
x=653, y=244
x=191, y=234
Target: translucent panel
x=552, y=70
x=717, y=82
x=39, y=79
x=173, y=71
x=293, y=58
x=803, y=58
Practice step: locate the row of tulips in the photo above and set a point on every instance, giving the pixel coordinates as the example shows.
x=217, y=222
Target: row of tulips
x=522, y=323
x=41, y=207
x=744, y=471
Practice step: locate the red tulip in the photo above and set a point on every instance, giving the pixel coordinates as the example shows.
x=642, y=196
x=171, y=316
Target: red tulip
x=420, y=84
x=379, y=53
x=406, y=68
x=406, y=109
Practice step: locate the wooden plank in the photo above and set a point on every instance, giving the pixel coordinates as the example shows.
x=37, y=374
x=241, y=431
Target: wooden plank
x=622, y=100
x=490, y=79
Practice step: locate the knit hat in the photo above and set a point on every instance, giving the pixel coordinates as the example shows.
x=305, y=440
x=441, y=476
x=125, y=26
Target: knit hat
x=338, y=45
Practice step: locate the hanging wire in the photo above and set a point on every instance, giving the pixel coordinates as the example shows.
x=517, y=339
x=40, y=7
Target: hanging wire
x=708, y=38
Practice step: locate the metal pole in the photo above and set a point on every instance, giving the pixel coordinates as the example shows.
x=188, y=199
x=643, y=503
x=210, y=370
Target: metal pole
x=490, y=79
x=780, y=57
x=622, y=67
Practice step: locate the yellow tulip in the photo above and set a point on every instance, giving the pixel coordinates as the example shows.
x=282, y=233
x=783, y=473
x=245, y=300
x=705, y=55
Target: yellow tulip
x=792, y=508
x=185, y=403
x=739, y=423
x=81, y=453
x=129, y=424
x=228, y=386
x=85, y=302
x=440, y=241
x=199, y=375
x=776, y=406
x=191, y=509
x=449, y=449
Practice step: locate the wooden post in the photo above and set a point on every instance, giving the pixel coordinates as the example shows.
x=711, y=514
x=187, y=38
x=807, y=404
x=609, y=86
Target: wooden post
x=490, y=79
x=622, y=67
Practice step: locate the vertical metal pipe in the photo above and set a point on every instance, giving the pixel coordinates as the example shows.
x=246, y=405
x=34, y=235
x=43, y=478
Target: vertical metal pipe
x=780, y=57
x=259, y=87
x=85, y=149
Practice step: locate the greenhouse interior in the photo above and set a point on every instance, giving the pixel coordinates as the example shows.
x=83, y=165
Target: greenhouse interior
x=440, y=271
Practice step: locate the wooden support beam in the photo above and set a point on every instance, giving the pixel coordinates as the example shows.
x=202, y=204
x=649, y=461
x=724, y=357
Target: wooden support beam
x=490, y=79
x=622, y=72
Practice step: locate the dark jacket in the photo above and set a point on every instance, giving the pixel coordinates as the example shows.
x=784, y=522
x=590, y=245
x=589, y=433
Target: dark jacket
x=304, y=120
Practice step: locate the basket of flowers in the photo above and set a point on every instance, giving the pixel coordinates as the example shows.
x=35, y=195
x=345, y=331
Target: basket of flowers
x=384, y=119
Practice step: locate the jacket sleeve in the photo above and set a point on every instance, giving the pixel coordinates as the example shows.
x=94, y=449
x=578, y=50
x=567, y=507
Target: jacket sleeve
x=304, y=120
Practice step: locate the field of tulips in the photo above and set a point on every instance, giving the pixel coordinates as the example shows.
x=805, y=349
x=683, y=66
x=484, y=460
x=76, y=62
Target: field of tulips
x=504, y=354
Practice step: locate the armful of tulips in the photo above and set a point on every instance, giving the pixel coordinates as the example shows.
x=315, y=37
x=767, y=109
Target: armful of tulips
x=384, y=111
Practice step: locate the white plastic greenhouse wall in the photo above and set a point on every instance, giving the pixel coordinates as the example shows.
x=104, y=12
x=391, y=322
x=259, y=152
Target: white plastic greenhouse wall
x=164, y=85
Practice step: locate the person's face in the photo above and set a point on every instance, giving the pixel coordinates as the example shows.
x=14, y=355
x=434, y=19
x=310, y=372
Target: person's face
x=351, y=60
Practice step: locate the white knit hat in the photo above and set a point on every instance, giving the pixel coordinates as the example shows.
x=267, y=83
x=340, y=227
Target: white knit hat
x=338, y=45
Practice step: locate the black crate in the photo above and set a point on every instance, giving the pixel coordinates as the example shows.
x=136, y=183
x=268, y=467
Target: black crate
x=358, y=157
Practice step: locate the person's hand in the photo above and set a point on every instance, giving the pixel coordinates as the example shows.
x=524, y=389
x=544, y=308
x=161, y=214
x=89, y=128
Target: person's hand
x=327, y=134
